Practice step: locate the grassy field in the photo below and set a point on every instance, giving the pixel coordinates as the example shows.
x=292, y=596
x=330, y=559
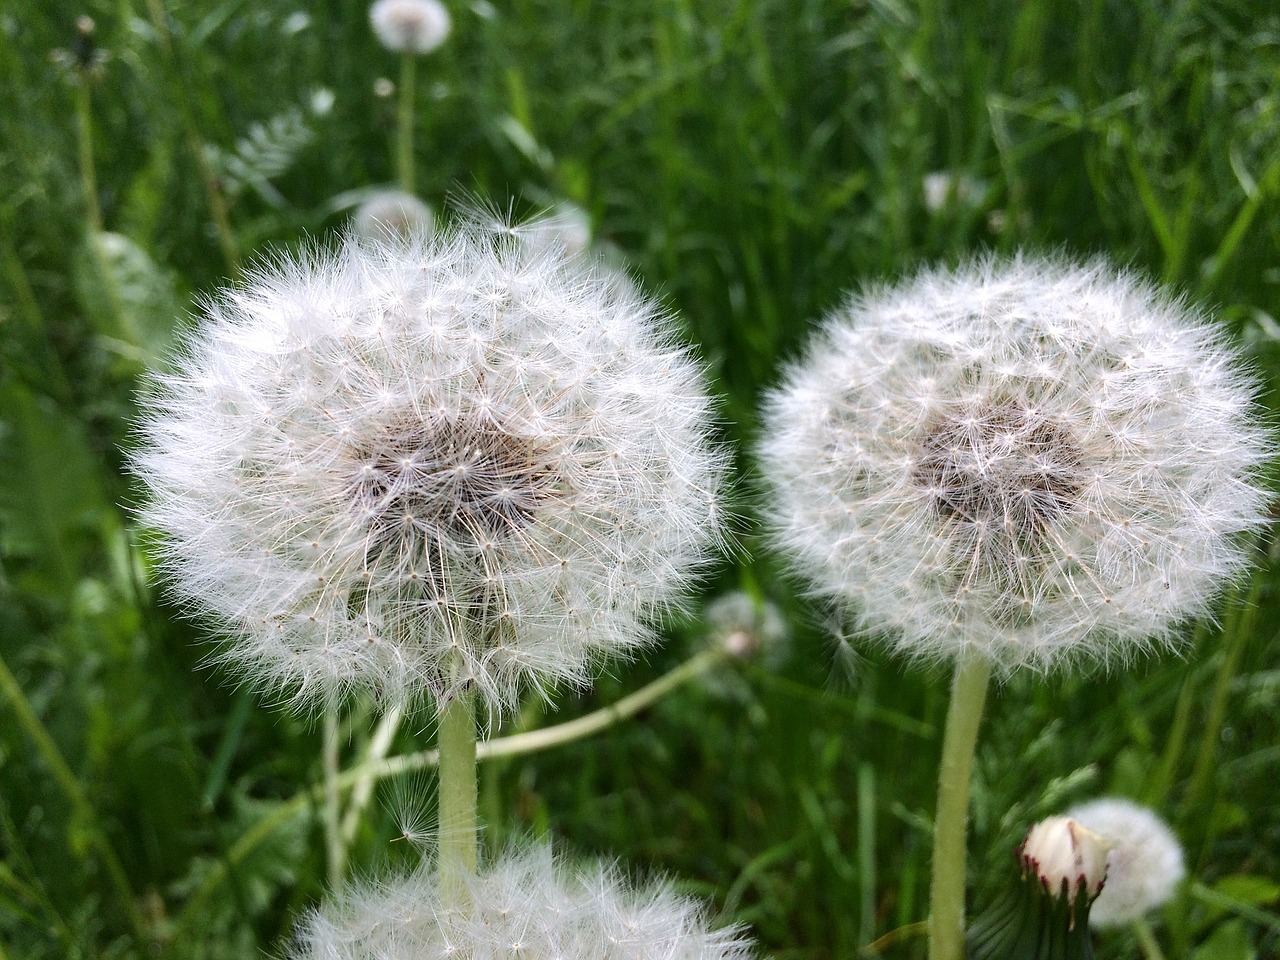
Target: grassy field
x=751, y=160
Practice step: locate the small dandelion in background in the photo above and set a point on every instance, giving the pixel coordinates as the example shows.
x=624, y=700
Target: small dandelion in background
x=457, y=463
x=410, y=26
x=528, y=904
x=1033, y=461
x=392, y=215
x=1145, y=863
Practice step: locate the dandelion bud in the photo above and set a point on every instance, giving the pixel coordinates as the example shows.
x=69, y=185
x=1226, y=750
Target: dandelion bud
x=1043, y=913
x=1145, y=863
x=459, y=462
x=525, y=905
x=1039, y=463
x=410, y=26
x=1065, y=857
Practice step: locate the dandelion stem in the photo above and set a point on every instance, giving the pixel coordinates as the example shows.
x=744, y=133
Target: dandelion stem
x=457, y=810
x=1147, y=939
x=511, y=746
x=946, y=896
x=404, y=135
x=1237, y=634
x=84, y=136
x=332, y=809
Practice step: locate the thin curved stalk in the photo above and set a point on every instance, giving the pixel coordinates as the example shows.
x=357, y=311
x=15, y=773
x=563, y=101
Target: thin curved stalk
x=515, y=745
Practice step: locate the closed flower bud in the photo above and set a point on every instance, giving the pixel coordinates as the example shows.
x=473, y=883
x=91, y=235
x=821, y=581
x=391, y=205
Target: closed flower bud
x=1043, y=911
x=1065, y=857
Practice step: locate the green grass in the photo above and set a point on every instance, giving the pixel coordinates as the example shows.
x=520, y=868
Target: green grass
x=752, y=159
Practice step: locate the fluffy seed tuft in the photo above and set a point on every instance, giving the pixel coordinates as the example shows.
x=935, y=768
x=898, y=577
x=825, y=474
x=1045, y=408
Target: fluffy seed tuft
x=1145, y=863
x=410, y=26
x=455, y=461
x=526, y=905
x=1041, y=462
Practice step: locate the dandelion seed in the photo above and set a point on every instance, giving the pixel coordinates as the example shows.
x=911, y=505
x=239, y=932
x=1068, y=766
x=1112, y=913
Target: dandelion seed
x=526, y=905
x=1025, y=460
x=456, y=462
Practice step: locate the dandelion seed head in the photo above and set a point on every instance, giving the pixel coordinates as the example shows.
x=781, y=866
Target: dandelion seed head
x=392, y=215
x=410, y=26
x=455, y=461
x=528, y=904
x=1044, y=463
x=1145, y=863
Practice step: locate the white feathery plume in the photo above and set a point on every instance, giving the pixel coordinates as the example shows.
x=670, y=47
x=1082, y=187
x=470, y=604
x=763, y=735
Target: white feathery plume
x=392, y=215
x=526, y=905
x=1038, y=462
x=1144, y=865
x=464, y=460
x=410, y=26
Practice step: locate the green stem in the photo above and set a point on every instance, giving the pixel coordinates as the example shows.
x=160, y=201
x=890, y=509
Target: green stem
x=457, y=808
x=65, y=779
x=1147, y=939
x=1175, y=741
x=946, y=896
x=404, y=135
x=1237, y=635
x=518, y=744
x=84, y=137
x=195, y=143
x=332, y=808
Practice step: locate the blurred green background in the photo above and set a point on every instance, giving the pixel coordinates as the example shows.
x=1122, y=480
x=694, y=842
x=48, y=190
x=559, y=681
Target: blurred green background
x=751, y=160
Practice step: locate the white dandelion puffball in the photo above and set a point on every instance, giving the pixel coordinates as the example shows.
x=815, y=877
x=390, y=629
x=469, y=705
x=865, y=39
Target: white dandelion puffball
x=527, y=905
x=410, y=26
x=456, y=462
x=392, y=215
x=1024, y=459
x=1145, y=864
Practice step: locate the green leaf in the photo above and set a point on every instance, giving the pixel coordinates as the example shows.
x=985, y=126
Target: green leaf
x=133, y=303
x=50, y=496
x=1249, y=888
x=1229, y=942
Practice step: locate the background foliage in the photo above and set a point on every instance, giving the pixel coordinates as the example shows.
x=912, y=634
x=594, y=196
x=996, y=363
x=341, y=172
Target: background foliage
x=752, y=159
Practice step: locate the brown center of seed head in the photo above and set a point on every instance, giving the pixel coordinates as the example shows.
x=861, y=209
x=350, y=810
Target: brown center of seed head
x=450, y=485
x=1002, y=474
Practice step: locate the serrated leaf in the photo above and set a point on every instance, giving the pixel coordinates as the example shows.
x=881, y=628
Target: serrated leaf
x=133, y=303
